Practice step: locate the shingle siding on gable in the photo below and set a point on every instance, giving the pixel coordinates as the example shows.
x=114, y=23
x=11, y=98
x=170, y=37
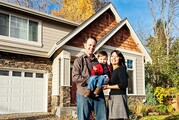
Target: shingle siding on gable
x=123, y=39
x=98, y=28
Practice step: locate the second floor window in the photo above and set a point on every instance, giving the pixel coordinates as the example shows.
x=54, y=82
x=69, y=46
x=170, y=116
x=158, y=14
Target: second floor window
x=16, y=27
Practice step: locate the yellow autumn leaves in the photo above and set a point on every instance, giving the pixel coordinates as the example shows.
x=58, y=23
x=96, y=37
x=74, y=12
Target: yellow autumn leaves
x=75, y=10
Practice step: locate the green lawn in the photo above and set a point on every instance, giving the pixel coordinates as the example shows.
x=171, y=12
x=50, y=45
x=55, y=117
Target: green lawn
x=162, y=117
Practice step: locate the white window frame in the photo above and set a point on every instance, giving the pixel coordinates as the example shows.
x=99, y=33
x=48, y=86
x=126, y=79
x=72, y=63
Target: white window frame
x=23, y=41
x=134, y=73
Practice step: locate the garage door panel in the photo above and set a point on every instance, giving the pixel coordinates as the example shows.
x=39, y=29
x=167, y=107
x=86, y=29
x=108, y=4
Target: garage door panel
x=27, y=108
x=28, y=99
x=4, y=91
x=38, y=91
x=15, y=108
x=16, y=99
x=16, y=91
x=27, y=91
x=3, y=109
x=28, y=83
x=16, y=82
x=38, y=108
x=38, y=83
x=4, y=81
x=22, y=94
x=4, y=100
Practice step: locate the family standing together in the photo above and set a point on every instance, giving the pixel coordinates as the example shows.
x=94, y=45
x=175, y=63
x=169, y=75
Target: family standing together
x=92, y=75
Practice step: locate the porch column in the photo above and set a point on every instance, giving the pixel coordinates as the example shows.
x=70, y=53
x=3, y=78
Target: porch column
x=65, y=96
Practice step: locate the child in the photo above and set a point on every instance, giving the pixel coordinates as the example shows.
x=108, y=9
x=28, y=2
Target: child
x=98, y=75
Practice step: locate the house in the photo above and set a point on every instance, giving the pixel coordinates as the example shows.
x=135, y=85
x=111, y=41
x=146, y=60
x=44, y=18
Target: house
x=37, y=53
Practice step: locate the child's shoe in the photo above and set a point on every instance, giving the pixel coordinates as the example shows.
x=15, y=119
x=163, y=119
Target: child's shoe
x=97, y=91
x=87, y=93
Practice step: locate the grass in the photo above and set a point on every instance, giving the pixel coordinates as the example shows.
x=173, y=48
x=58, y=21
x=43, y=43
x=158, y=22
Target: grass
x=174, y=116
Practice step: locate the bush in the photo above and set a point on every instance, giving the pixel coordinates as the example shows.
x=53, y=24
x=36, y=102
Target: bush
x=165, y=95
x=161, y=108
x=170, y=109
x=150, y=97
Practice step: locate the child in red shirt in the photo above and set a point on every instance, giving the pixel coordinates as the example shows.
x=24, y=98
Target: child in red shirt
x=98, y=75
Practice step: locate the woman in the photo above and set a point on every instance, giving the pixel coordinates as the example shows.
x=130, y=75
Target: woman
x=118, y=108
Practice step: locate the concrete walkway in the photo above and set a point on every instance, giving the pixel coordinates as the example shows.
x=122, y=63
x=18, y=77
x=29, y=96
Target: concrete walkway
x=28, y=116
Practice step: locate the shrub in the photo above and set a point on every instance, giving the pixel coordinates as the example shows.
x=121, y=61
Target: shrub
x=150, y=97
x=170, y=109
x=165, y=95
x=161, y=108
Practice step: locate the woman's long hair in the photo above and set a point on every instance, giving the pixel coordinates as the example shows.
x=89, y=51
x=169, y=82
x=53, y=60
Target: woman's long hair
x=121, y=58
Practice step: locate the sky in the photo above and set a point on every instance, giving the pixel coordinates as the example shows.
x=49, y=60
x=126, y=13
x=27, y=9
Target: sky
x=136, y=11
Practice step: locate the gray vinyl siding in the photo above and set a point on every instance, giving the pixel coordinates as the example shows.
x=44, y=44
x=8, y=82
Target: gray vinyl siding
x=139, y=76
x=53, y=33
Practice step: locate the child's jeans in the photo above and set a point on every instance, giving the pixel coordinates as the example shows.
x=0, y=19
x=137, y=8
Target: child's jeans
x=96, y=81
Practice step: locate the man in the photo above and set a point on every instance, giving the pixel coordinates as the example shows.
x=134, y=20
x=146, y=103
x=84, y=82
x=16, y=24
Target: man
x=80, y=75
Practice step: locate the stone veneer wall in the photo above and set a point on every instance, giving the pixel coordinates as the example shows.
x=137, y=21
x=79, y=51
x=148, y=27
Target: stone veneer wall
x=9, y=60
x=133, y=100
x=98, y=28
x=65, y=96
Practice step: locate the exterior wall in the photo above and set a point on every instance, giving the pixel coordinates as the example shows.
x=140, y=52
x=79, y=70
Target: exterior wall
x=51, y=32
x=65, y=96
x=24, y=62
x=101, y=26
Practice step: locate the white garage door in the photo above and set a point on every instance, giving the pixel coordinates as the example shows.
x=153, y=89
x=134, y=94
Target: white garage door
x=22, y=92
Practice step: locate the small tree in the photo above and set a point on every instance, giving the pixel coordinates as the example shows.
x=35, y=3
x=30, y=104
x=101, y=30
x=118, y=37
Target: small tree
x=150, y=97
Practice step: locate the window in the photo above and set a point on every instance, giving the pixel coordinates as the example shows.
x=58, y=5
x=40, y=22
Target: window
x=39, y=75
x=130, y=70
x=16, y=27
x=16, y=73
x=4, y=24
x=28, y=74
x=4, y=72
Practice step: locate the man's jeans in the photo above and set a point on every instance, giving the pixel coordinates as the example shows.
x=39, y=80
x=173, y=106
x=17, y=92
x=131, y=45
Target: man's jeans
x=96, y=81
x=86, y=104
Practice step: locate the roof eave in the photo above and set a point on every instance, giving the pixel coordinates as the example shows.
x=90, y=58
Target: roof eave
x=37, y=13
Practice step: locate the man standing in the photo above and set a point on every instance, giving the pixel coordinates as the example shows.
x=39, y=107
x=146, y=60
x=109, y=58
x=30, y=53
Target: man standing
x=80, y=75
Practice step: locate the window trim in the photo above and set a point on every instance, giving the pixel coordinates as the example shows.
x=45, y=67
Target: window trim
x=33, y=71
x=22, y=41
x=134, y=74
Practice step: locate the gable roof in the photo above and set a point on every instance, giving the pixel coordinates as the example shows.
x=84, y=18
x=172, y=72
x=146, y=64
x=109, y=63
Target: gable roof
x=103, y=40
x=37, y=13
x=83, y=25
x=133, y=34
